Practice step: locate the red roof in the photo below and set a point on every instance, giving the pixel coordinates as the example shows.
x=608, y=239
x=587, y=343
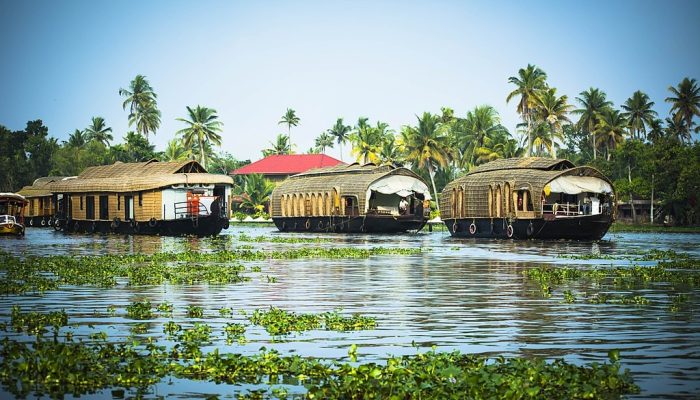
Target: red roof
x=288, y=164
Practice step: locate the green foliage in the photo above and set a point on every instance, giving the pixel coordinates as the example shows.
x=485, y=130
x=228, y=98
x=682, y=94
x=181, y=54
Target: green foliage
x=140, y=310
x=195, y=311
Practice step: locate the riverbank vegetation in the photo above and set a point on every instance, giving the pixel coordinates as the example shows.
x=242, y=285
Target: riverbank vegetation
x=647, y=155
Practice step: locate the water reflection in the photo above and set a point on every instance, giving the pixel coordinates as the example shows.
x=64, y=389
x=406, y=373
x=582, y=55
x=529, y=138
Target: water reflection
x=465, y=294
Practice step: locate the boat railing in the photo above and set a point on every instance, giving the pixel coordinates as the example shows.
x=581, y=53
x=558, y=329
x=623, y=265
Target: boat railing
x=190, y=209
x=564, y=209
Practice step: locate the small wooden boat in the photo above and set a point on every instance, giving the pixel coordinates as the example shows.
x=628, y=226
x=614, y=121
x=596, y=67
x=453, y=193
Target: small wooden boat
x=524, y=198
x=351, y=198
x=165, y=198
x=12, y=214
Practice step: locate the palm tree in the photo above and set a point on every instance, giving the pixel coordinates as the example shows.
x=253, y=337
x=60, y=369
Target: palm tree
x=280, y=146
x=593, y=102
x=639, y=114
x=427, y=146
x=685, y=104
x=143, y=108
x=553, y=110
x=290, y=119
x=77, y=139
x=175, y=151
x=389, y=152
x=341, y=133
x=611, y=129
x=256, y=191
x=98, y=131
x=202, y=128
x=366, y=141
x=529, y=81
x=324, y=140
x=481, y=122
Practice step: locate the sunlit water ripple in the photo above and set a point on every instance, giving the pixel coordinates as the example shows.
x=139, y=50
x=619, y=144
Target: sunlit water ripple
x=466, y=295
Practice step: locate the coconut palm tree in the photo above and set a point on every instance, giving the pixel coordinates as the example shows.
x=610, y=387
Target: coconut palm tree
x=175, y=151
x=77, y=139
x=427, y=146
x=341, y=133
x=685, y=104
x=143, y=108
x=553, y=110
x=366, y=141
x=98, y=131
x=389, y=152
x=480, y=123
x=528, y=82
x=280, y=146
x=202, y=129
x=639, y=114
x=290, y=119
x=324, y=140
x=593, y=102
x=611, y=129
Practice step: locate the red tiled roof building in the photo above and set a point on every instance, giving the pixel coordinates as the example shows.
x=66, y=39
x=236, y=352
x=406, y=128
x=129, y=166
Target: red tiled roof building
x=277, y=167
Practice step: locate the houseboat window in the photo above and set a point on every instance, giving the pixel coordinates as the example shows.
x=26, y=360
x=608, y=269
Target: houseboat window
x=319, y=204
x=312, y=207
x=104, y=207
x=454, y=203
x=524, y=201
x=329, y=206
x=351, y=206
x=81, y=203
x=119, y=202
x=140, y=199
x=89, y=207
x=489, y=201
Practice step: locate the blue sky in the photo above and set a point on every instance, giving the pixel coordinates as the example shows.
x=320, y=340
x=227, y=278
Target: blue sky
x=64, y=61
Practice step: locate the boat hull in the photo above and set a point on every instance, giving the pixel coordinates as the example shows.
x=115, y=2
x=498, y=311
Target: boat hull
x=351, y=224
x=203, y=226
x=11, y=230
x=588, y=227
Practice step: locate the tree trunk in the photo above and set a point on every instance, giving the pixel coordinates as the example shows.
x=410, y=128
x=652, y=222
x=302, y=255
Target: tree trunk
x=629, y=178
x=201, y=154
x=594, y=146
x=552, y=151
x=651, y=214
x=432, y=181
x=340, y=144
x=529, y=134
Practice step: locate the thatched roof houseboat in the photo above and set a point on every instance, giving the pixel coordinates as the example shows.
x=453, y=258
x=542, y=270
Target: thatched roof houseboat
x=529, y=198
x=351, y=198
x=42, y=205
x=153, y=197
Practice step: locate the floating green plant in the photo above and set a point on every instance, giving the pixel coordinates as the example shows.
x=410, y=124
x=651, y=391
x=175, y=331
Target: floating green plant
x=195, y=311
x=140, y=310
x=280, y=322
x=35, y=323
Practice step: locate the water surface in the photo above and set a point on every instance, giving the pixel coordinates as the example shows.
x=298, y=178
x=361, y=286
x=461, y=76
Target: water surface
x=463, y=294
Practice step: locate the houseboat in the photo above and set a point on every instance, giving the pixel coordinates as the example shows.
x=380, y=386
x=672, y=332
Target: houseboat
x=523, y=198
x=42, y=203
x=351, y=198
x=12, y=214
x=165, y=198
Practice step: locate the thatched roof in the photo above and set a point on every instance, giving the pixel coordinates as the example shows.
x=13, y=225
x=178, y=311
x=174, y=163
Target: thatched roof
x=353, y=179
x=40, y=187
x=516, y=174
x=131, y=177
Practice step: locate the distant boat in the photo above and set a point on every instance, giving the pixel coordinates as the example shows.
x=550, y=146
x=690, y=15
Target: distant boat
x=351, y=198
x=164, y=198
x=12, y=214
x=523, y=198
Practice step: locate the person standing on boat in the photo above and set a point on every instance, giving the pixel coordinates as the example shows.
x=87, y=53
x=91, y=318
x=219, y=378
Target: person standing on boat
x=403, y=205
